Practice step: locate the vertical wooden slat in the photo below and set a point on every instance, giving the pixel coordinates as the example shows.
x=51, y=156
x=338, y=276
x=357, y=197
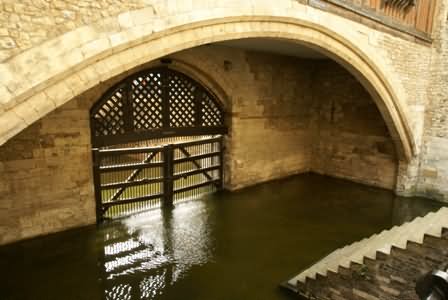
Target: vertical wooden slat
x=419, y=17
x=422, y=15
x=221, y=162
x=166, y=98
x=198, y=107
x=431, y=13
x=168, y=175
x=412, y=19
x=380, y=7
x=128, y=106
x=97, y=183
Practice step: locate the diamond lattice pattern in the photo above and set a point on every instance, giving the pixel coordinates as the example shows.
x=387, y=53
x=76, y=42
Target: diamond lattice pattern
x=181, y=101
x=109, y=118
x=142, y=102
x=211, y=113
x=147, y=101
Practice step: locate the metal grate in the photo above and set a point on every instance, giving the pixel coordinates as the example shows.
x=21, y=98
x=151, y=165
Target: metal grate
x=155, y=103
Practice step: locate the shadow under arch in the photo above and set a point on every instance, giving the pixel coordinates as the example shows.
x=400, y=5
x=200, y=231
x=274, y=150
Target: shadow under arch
x=364, y=64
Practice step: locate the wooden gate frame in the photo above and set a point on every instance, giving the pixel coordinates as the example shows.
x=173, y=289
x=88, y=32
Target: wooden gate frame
x=168, y=175
x=152, y=104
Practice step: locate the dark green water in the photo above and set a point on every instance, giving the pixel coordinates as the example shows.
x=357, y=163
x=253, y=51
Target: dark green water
x=226, y=246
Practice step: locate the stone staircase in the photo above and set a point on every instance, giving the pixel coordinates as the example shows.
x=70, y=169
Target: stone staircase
x=434, y=224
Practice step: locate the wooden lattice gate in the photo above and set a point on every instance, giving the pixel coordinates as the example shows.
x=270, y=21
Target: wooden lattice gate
x=179, y=122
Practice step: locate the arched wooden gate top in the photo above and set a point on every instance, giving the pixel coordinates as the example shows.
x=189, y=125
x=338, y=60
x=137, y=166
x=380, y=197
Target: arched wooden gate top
x=155, y=103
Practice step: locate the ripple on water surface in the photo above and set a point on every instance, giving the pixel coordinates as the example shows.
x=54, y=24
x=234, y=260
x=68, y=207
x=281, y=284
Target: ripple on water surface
x=225, y=246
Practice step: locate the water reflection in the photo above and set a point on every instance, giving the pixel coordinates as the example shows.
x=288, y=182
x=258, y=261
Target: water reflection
x=160, y=247
x=225, y=246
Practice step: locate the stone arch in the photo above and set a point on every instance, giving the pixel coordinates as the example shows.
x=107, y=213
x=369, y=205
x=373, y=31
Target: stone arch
x=202, y=77
x=65, y=75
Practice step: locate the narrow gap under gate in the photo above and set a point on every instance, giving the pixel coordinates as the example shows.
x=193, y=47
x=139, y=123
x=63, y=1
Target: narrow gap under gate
x=157, y=140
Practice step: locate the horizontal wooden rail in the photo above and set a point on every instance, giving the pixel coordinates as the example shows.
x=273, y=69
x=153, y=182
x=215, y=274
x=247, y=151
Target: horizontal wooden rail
x=131, y=166
x=197, y=157
x=107, y=205
x=102, y=141
x=195, y=186
x=195, y=172
x=117, y=185
x=107, y=152
x=197, y=142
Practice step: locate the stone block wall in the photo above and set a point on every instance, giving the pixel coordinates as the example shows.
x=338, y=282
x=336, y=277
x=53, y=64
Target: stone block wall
x=351, y=140
x=280, y=124
x=269, y=99
x=23, y=25
x=45, y=178
x=293, y=115
x=271, y=124
x=389, y=277
x=433, y=171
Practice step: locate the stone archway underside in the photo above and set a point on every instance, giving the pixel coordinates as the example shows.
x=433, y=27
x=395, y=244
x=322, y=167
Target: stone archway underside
x=68, y=66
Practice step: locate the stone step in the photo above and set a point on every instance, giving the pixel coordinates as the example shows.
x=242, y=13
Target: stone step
x=327, y=263
x=432, y=224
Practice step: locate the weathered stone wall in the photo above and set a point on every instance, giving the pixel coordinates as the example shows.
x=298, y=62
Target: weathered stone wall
x=45, y=178
x=46, y=181
x=411, y=62
x=269, y=100
x=271, y=128
x=351, y=140
x=389, y=277
x=22, y=24
x=433, y=171
x=281, y=118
